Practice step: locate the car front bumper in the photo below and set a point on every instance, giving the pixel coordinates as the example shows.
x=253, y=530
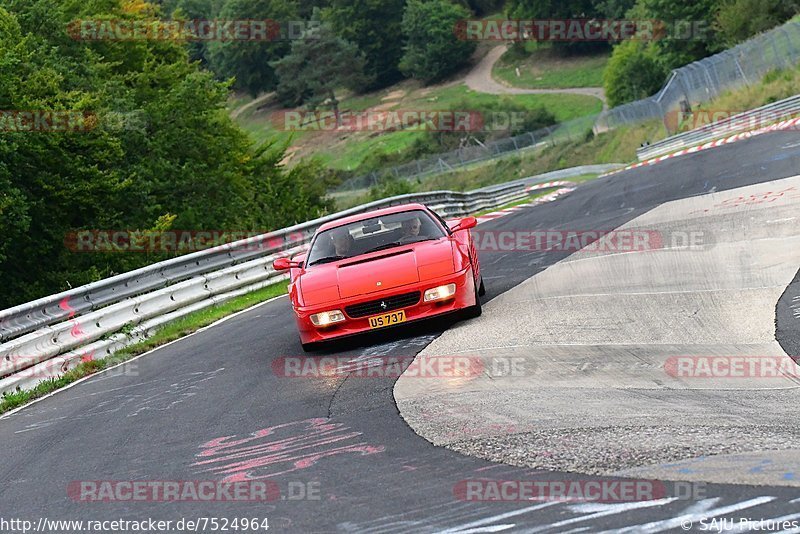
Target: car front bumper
x=464, y=297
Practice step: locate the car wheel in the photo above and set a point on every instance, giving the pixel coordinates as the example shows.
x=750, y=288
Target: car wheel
x=309, y=347
x=476, y=310
x=482, y=289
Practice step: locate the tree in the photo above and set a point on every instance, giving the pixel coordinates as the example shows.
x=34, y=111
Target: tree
x=248, y=62
x=375, y=27
x=432, y=49
x=557, y=10
x=194, y=10
x=632, y=73
x=316, y=67
x=482, y=7
x=689, y=29
x=614, y=9
x=552, y=9
x=738, y=20
x=182, y=162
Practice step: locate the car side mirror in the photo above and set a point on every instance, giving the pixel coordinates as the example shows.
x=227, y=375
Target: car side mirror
x=281, y=264
x=466, y=223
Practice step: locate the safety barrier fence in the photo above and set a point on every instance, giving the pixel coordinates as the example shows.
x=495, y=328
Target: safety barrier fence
x=741, y=122
x=47, y=337
x=697, y=82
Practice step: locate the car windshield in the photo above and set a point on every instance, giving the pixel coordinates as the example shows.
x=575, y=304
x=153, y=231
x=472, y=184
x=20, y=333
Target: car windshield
x=373, y=234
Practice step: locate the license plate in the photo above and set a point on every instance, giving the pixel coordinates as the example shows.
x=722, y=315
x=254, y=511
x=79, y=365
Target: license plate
x=387, y=319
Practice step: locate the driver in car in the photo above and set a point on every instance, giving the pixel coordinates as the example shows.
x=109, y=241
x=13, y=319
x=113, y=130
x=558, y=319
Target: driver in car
x=411, y=228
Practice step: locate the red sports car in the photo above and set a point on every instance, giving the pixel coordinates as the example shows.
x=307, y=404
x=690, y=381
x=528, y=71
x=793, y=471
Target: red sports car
x=380, y=269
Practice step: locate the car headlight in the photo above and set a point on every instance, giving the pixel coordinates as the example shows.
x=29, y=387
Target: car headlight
x=327, y=317
x=440, y=293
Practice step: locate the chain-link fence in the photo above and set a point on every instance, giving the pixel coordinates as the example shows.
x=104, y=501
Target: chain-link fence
x=694, y=83
x=443, y=162
x=706, y=79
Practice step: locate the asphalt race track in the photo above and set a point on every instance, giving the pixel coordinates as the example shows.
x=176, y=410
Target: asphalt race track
x=644, y=361
x=213, y=407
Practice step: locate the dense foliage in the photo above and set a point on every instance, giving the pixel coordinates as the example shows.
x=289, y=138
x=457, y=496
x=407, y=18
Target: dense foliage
x=316, y=68
x=415, y=38
x=159, y=151
x=432, y=50
x=633, y=72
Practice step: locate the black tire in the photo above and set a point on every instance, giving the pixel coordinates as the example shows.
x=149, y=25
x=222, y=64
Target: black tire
x=482, y=289
x=309, y=347
x=476, y=310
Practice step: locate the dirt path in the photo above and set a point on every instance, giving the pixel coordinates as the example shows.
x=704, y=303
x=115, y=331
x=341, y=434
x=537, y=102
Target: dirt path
x=238, y=111
x=480, y=79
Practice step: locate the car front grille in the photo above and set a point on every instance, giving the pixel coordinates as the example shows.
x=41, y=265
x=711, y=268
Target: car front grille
x=389, y=303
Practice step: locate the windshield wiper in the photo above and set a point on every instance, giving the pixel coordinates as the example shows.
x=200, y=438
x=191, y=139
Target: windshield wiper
x=397, y=244
x=385, y=245
x=327, y=259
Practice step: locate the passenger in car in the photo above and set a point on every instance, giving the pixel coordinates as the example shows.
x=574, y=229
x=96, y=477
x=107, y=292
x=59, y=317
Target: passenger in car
x=342, y=242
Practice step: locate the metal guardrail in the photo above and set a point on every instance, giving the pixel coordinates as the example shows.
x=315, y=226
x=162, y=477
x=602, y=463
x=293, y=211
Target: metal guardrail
x=30, y=316
x=46, y=337
x=748, y=120
x=68, y=304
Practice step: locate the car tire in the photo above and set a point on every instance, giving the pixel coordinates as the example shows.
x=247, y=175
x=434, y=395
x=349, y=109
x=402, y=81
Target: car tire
x=309, y=347
x=476, y=310
x=482, y=289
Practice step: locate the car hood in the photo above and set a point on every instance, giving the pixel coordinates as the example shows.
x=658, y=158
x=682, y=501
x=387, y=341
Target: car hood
x=378, y=271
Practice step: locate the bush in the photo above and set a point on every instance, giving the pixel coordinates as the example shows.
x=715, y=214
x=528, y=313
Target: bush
x=633, y=72
x=389, y=187
x=184, y=165
x=737, y=20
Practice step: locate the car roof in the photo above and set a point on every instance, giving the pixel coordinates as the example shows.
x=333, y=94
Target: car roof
x=370, y=214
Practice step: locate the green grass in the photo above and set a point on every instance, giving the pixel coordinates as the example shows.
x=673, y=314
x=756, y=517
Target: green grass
x=577, y=180
x=776, y=85
x=509, y=205
x=545, y=68
x=517, y=203
x=615, y=146
x=237, y=100
x=348, y=150
x=354, y=153
x=563, y=106
x=169, y=332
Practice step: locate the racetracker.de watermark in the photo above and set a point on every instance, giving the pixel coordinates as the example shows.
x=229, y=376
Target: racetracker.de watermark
x=172, y=491
x=47, y=121
x=560, y=490
x=32, y=367
x=168, y=241
x=578, y=490
x=66, y=121
x=598, y=241
x=725, y=120
x=728, y=366
x=444, y=367
x=257, y=30
x=579, y=30
x=395, y=120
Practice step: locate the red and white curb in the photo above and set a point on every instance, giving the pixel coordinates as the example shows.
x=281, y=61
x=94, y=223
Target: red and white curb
x=569, y=187
x=789, y=124
x=548, y=185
